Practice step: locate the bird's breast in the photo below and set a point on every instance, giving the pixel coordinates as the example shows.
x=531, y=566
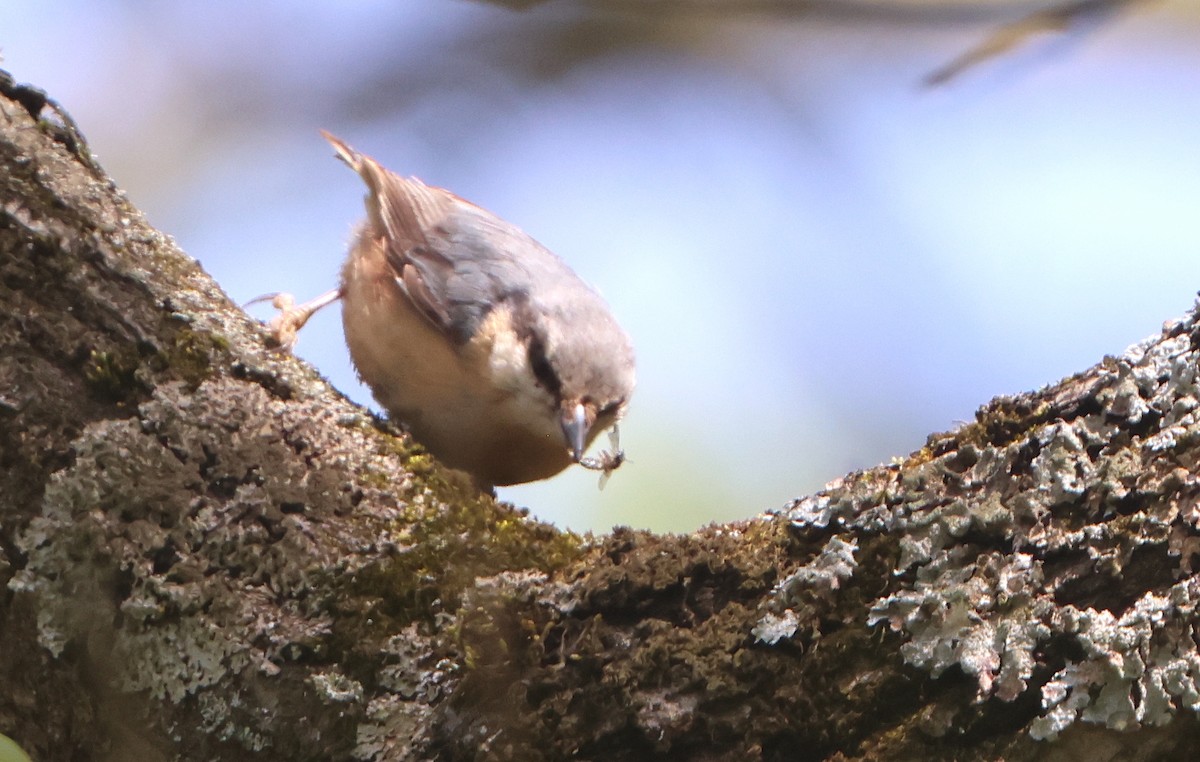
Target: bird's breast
x=475, y=406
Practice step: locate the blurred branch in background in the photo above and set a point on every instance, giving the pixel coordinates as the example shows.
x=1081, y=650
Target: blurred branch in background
x=1054, y=18
x=1072, y=18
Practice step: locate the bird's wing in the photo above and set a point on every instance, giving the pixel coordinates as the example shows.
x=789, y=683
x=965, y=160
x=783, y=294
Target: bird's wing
x=447, y=254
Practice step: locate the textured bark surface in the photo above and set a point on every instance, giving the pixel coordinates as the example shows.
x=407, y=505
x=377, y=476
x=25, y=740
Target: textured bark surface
x=207, y=554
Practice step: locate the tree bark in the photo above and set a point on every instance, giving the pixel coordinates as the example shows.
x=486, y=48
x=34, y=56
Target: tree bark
x=208, y=554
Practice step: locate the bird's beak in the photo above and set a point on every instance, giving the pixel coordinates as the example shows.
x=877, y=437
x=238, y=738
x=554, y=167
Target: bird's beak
x=575, y=429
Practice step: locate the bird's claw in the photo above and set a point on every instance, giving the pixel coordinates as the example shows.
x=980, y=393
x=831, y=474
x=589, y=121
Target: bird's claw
x=286, y=325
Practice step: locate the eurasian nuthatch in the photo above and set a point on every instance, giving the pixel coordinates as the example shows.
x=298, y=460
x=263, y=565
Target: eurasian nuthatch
x=492, y=352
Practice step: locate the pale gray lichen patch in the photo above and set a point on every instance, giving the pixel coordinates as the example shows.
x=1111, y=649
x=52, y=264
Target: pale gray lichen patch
x=1047, y=547
x=1062, y=469
x=1137, y=667
x=188, y=567
x=821, y=576
x=773, y=627
x=336, y=688
x=826, y=572
x=983, y=617
x=930, y=531
x=391, y=727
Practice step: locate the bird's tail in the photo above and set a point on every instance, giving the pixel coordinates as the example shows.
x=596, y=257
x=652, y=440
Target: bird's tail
x=345, y=152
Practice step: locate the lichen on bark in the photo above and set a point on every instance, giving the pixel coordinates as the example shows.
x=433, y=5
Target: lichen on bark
x=1058, y=551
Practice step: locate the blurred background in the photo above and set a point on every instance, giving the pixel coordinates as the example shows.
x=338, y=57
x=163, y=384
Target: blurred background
x=820, y=256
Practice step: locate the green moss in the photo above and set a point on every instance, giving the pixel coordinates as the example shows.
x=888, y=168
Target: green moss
x=112, y=375
x=1004, y=420
x=450, y=534
x=375, y=479
x=448, y=542
x=919, y=458
x=189, y=357
x=116, y=374
x=650, y=646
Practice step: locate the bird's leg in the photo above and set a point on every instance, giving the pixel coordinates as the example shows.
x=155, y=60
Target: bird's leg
x=292, y=317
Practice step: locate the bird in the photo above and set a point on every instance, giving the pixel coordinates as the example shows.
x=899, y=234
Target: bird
x=480, y=341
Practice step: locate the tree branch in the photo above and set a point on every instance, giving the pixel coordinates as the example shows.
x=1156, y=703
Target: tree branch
x=209, y=554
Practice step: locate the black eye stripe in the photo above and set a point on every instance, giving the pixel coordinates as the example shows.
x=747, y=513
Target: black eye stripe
x=542, y=370
x=526, y=325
